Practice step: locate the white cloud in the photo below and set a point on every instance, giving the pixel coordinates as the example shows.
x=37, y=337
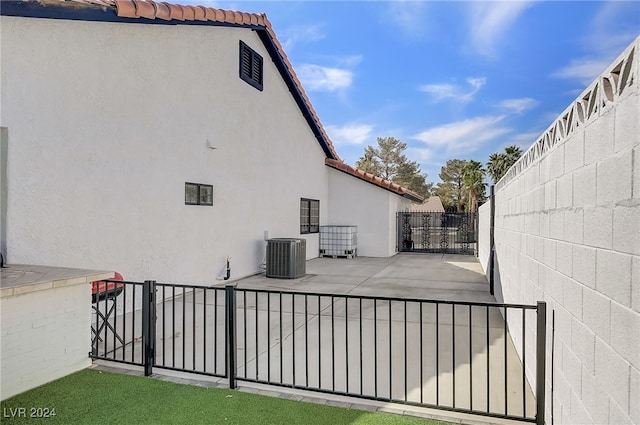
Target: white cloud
x=607, y=33
x=490, y=20
x=300, y=34
x=321, y=78
x=518, y=106
x=454, y=92
x=350, y=134
x=463, y=136
x=407, y=16
x=584, y=70
x=523, y=140
x=421, y=155
x=605, y=39
x=347, y=61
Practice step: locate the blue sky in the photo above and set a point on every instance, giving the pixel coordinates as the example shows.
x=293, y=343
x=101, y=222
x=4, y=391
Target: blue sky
x=451, y=79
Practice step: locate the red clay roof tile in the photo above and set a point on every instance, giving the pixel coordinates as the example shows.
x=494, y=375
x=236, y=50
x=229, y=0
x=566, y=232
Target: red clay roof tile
x=378, y=181
x=162, y=11
x=126, y=9
x=189, y=13
x=201, y=13
x=209, y=14
x=145, y=9
x=229, y=16
x=219, y=15
x=176, y=12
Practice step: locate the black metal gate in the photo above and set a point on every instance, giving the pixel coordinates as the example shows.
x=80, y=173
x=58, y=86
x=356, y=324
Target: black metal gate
x=444, y=232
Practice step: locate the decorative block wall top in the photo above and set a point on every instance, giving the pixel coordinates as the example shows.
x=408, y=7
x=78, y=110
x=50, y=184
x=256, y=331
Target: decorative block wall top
x=618, y=81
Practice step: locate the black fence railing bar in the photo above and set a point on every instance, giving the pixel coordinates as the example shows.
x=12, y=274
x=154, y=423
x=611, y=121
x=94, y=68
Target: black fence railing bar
x=391, y=351
x=117, y=323
x=190, y=327
x=437, y=232
x=457, y=356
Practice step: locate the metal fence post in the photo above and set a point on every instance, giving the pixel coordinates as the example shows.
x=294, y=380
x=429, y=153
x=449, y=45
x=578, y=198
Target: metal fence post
x=230, y=326
x=148, y=325
x=491, y=241
x=541, y=349
x=476, y=231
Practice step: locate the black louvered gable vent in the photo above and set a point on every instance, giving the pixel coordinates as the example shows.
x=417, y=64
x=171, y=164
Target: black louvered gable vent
x=250, y=66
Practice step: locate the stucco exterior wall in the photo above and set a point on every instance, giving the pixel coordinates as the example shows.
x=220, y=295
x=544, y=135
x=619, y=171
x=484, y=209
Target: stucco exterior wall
x=567, y=231
x=373, y=210
x=107, y=121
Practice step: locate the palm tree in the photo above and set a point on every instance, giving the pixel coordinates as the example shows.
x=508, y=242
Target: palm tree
x=473, y=178
x=499, y=163
x=512, y=154
x=495, y=166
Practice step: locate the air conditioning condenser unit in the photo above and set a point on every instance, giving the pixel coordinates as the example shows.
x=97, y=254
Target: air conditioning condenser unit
x=286, y=258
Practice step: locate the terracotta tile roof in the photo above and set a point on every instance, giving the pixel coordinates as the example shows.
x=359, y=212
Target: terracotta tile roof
x=167, y=11
x=373, y=179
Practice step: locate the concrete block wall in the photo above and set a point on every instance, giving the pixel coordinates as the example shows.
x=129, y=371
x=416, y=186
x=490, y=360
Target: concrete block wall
x=45, y=335
x=567, y=231
x=484, y=228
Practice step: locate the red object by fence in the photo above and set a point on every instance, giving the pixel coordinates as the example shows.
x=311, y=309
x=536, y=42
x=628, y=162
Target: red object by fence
x=104, y=289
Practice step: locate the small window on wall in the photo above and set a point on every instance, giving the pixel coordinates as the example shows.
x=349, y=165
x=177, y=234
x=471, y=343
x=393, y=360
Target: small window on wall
x=250, y=66
x=309, y=216
x=198, y=194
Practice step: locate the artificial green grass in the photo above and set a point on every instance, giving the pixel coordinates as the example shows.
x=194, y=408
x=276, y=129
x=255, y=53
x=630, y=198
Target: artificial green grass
x=96, y=397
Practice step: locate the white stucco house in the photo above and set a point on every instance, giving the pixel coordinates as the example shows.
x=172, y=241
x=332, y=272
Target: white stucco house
x=158, y=140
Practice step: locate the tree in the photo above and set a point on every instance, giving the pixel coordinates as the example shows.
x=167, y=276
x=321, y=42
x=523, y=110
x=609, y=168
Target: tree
x=389, y=162
x=495, y=166
x=451, y=190
x=473, y=180
x=410, y=177
x=384, y=160
x=499, y=163
x=369, y=162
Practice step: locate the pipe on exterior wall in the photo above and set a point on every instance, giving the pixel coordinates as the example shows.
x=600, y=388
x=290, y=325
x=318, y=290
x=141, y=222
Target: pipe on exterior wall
x=228, y=269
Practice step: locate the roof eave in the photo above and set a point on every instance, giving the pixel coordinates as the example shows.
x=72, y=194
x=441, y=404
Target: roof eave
x=289, y=79
x=414, y=197
x=400, y=191
x=54, y=9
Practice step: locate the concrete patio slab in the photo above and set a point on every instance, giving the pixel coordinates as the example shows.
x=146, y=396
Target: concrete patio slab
x=406, y=275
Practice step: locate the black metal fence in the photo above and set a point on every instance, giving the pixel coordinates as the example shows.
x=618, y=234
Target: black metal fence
x=456, y=356
x=117, y=324
x=445, y=232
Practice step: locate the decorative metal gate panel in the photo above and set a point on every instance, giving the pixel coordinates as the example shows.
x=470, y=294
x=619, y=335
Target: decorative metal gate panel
x=444, y=232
